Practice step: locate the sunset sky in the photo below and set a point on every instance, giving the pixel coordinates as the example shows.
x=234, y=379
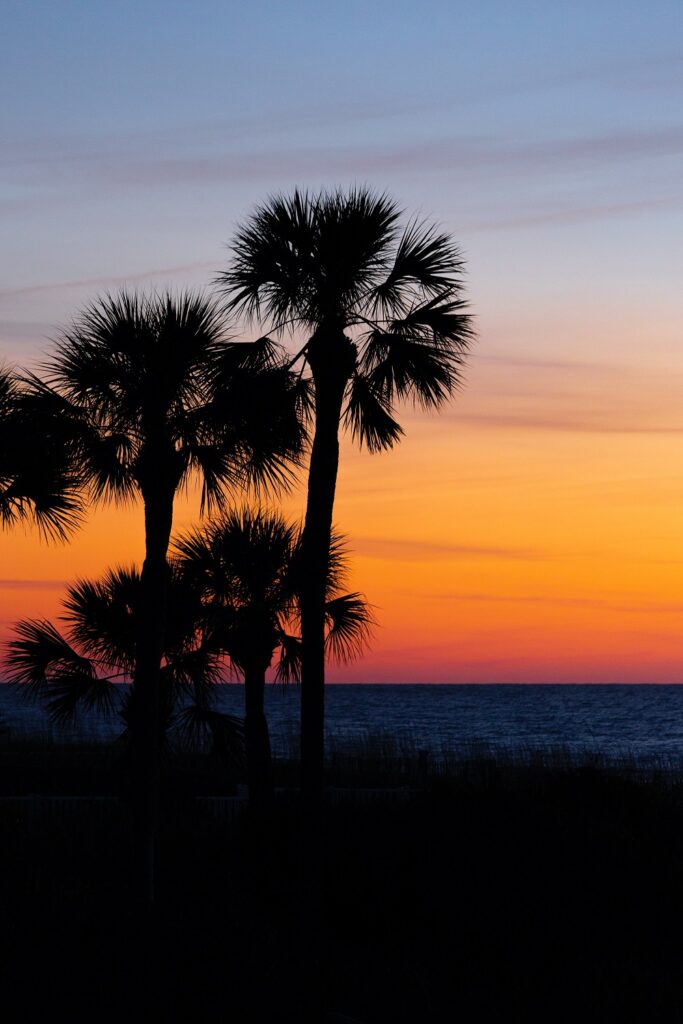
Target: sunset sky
x=532, y=532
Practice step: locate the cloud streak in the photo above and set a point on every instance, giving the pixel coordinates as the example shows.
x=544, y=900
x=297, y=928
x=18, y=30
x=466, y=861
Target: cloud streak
x=591, y=603
x=572, y=397
x=103, y=282
x=102, y=164
x=457, y=155
x=573, y=215
x=12, y=584
x=428, y=551
x=574, y=425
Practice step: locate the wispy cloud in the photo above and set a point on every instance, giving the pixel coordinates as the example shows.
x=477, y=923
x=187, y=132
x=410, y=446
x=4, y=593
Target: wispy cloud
x=565, y=214
x=572, y=424
x=11, y=584
x=526, y=393
x=607, y=604
x=428, y=551
x=459, y=155
x=30, y=329
x=581, y=602
x=103, y=282
x=97, y=161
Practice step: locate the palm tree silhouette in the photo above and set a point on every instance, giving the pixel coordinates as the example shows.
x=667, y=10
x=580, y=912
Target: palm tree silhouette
x=247, y=567
x=384, y=320
x=37, y=481
x=155, y=395
x=78, y=668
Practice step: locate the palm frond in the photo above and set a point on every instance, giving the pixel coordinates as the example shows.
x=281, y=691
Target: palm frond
x=196, y=669
x=198, y=727
x=442, y=319
x=337, y=564
x=349, y=626
x=39, y=479
x=246, y=356
x=68, y=694
x=101, y=616
x=418, y=371
x=40, y=660
x=219, y=471
x=336, y=573
x=109, y=463
x=37, y=653
x=272, y=256
x=367, y=415
x=288, y=664
x=49, y=503
x=420, y=356
x=426, y=262
x=258, y=419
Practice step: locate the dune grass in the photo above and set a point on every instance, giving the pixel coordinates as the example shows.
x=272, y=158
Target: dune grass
x=465, y=885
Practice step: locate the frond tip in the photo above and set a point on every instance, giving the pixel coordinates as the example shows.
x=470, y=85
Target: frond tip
x=39, y=658
x=349, y=621
x=368, y=415
x=39, y=478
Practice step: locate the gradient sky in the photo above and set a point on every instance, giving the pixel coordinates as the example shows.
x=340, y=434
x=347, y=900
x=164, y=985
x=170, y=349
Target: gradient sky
x=532, y=531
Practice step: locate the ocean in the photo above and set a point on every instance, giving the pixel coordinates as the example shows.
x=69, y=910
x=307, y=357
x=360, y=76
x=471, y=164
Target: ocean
x=642, y=722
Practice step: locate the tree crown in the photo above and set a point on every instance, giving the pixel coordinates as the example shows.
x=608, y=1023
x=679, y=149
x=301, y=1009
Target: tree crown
x=247, y=565
x=335, y=262
x=152, y=392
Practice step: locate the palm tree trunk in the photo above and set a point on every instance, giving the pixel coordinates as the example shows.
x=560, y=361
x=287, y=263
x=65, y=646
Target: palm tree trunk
x=257, y=740
x=146, y=734
x=331, y=360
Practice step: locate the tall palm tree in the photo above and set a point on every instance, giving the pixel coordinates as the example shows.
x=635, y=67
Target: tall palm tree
x=246, y=566
x=383, y=319
x=37, y=481
x=154, y=395
x=77, y=668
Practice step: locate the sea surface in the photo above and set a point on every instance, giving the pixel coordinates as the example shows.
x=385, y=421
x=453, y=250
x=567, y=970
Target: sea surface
x=642, y=722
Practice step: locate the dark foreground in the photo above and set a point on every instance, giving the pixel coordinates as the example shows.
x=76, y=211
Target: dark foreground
x=489, y=892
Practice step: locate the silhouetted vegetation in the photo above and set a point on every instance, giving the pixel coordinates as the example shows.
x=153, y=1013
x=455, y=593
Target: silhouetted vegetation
x=550, y=889
x=247, y=567
x=38, y=481
x=77, y=670
x=232, y=604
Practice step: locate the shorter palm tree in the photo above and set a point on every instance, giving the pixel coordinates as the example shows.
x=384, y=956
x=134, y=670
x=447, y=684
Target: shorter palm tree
x=247, y=567
x=78, y=668
x=233, y=592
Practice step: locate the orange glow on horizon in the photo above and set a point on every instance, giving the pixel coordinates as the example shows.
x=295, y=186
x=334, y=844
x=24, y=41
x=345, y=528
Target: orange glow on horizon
x=492, y=551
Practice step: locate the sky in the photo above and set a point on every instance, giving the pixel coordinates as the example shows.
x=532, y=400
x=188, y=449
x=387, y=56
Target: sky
x=531, y=531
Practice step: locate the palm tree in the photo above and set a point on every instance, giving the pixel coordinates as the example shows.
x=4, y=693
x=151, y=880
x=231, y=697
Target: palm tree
x=383, y=319
x=154, y=395
x=37, y=482
x=78, y=668
x=247, y=567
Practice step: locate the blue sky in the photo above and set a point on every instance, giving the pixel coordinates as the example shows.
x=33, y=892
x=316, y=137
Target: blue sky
x=136, y=135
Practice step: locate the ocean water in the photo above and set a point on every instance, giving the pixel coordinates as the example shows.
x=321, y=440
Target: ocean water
x=643, y=722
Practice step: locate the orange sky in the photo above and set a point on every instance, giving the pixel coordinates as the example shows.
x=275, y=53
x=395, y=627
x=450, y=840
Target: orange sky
x=531, y=532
